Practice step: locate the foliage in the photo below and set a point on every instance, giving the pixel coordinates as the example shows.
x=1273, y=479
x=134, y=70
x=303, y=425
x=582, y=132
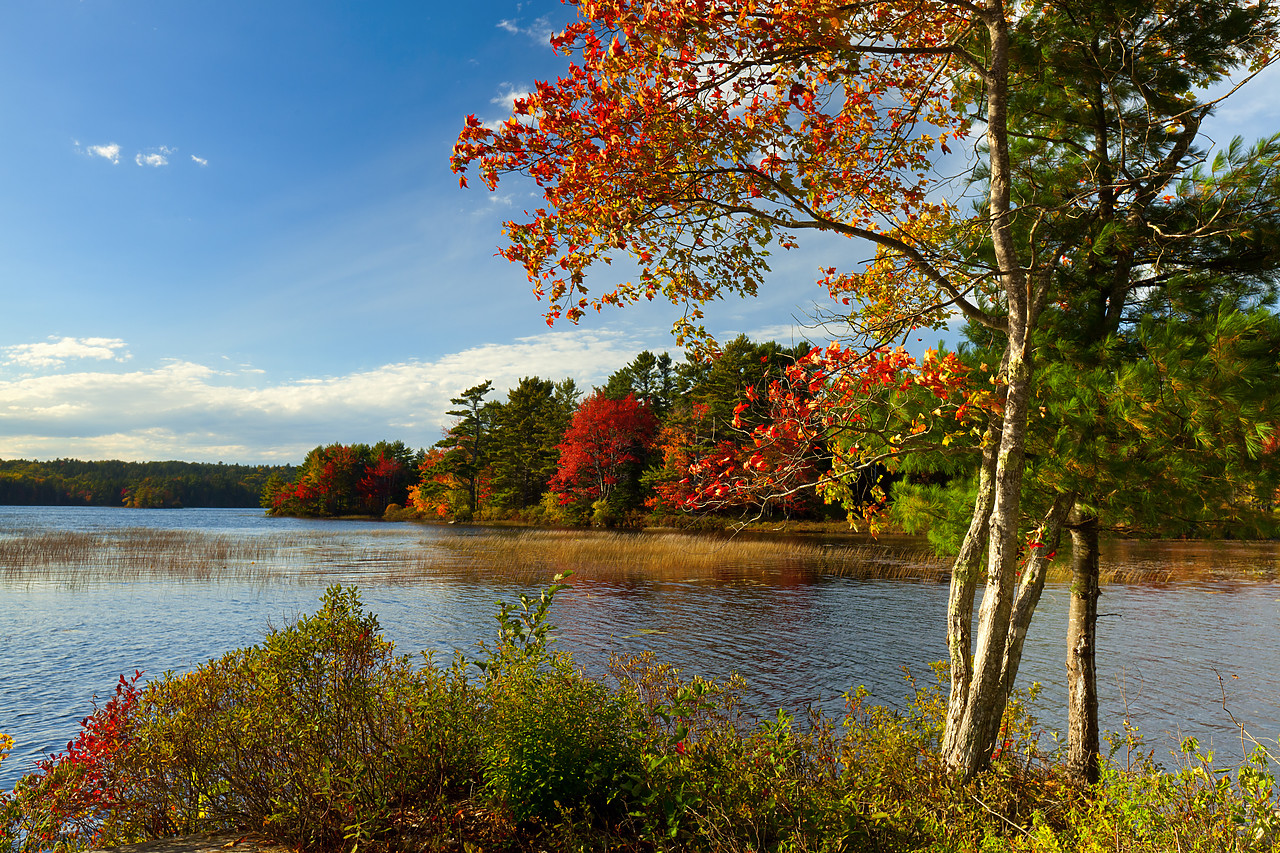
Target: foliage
x=322, y=737
x=697, y=137
x=559, y=743
x=527, y=429
x=76, y=796
x=340, y=479
x=603, y=449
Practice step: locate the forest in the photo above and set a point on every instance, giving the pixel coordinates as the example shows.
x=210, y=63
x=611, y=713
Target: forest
x=708, y=442
x=71, y=482
x=619, y=455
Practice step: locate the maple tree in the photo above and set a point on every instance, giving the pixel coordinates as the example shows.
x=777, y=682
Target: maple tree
x=697, y=135
x=431, y=495
x=602, y=449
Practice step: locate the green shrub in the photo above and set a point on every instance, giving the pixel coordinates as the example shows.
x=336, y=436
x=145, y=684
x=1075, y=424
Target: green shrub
x=557, y=744
x=319, y=734
x=556, y=741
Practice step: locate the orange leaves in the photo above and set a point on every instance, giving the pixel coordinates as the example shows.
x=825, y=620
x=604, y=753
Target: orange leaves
x=838, y=412
x=699, y=134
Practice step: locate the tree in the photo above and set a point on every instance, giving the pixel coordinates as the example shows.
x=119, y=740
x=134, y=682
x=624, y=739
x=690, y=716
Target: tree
x=651, y=378
x=699, y=135
x=603, y=449
x=527, y=428
x=466, y=444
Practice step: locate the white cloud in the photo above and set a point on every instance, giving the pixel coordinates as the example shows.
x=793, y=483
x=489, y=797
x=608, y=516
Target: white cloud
x=107, y=152
x=184, y=410
x=199, y=161
x=57, y=351
x=157, y=157
x=539, y=29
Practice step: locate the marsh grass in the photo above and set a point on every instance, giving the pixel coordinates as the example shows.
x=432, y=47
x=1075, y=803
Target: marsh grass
x=386, y=556
x=681, y=556
x=79, y=558
x=76, y=559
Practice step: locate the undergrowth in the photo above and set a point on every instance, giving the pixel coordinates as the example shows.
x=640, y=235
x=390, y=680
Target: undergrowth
x=324, y=738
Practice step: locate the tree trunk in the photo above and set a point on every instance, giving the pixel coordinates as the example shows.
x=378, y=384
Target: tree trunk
x=971, y=737
x=964, y=585
x=1082, y=676
x=1044, y=544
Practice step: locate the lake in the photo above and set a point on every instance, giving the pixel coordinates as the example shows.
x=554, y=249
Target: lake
x=797, y=635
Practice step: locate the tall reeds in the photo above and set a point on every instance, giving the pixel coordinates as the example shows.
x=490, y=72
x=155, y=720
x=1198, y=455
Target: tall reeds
x=388, y=556
x=681, y=556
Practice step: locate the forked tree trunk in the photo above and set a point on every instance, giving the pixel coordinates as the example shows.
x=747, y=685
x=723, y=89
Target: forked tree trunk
x=964, y=584
x=970, y=735
x=1043, y=546
x=1082, y=676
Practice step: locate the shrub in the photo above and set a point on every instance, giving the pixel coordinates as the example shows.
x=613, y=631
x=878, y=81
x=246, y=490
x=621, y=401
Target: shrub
x=325, y=738
x=321, y=736
x=321, y=733
x=556, y=742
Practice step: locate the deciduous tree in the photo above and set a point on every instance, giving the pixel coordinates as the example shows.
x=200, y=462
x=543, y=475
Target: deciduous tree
x=603, y=448
x=697, y=135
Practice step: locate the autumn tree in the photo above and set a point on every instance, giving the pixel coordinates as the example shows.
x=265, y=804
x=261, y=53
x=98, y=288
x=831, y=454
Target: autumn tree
x=390, y=472
x=603, y=451
x=697, y=135
x=708, y=435
x=432, y=496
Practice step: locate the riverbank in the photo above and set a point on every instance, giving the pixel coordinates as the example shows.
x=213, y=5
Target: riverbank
x=326, y=740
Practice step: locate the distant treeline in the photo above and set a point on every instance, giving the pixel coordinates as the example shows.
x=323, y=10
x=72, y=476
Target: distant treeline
x=71, y=482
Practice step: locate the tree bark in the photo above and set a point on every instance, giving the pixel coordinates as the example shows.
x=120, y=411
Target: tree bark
x=964, y=586
x=974, y=734
x=1082, y=675
x=1044, y=544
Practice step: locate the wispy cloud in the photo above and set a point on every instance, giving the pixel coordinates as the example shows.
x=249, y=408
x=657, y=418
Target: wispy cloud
x=506, y=98
x=57, y=351
x=539, y=29
x=156, y=157
x=199, y=161
x=185, y=410
x=110, y=152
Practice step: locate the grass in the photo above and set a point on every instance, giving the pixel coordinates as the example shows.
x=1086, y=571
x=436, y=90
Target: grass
x=79, y=558
x=682, y=556
x=383, y=555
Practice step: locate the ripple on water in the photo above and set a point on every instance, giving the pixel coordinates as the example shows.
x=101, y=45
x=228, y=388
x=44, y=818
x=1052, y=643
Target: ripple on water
x=797, y=638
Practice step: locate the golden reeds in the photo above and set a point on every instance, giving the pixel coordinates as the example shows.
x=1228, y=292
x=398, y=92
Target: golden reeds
x=680, y=556
x=78, y=558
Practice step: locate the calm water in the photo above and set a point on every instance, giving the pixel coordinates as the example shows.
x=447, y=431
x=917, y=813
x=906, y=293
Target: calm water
x=798, y=638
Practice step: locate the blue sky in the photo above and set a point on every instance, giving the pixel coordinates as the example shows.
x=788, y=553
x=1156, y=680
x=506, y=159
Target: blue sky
x=228, y=230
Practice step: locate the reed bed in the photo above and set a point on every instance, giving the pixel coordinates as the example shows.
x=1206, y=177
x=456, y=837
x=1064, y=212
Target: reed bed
x=679, y=557
x=80, y=558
